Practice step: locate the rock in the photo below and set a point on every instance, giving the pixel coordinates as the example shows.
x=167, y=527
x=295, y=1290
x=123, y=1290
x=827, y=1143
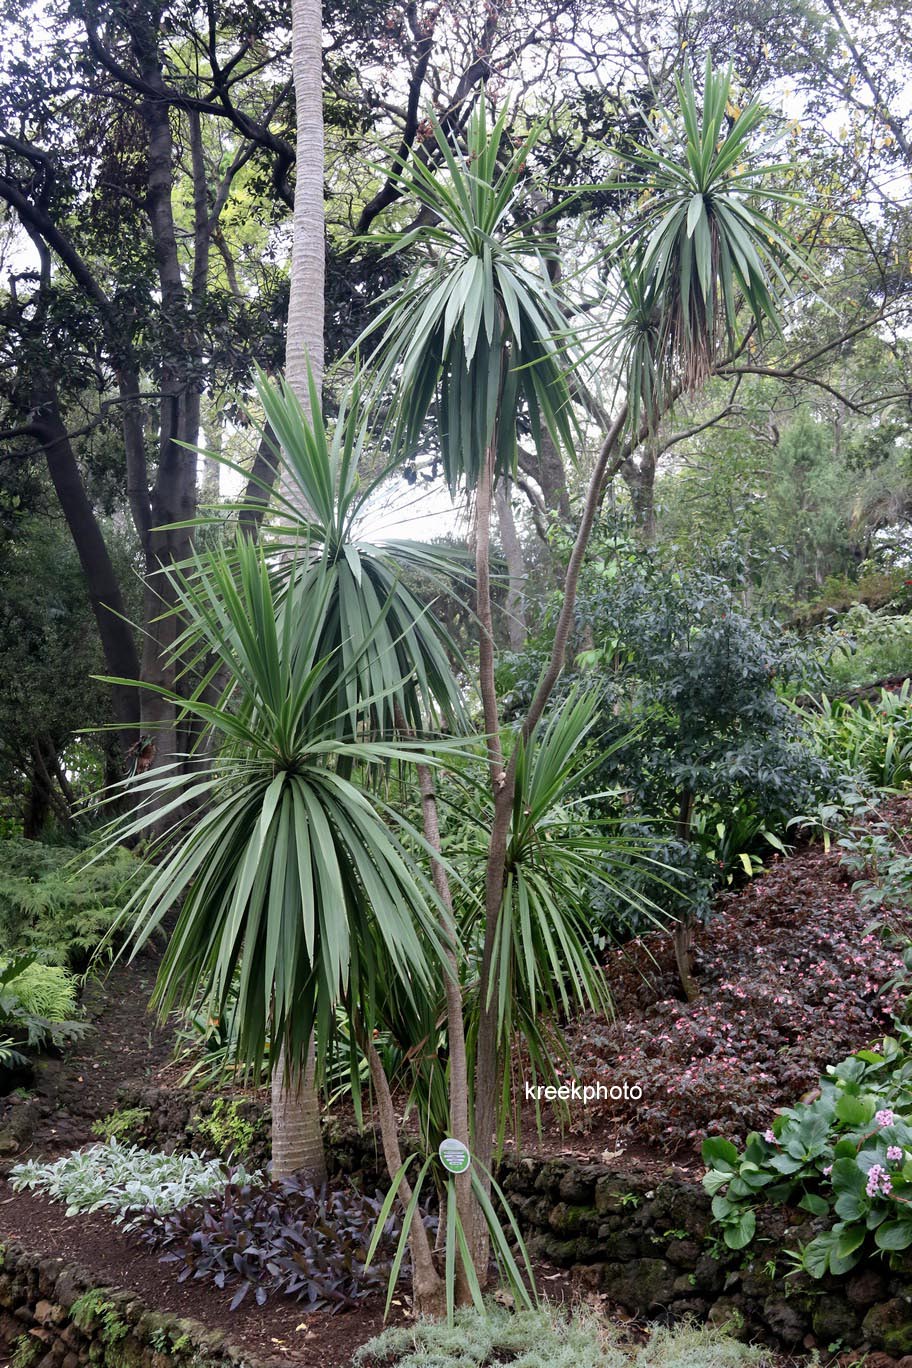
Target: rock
x=888, y=1326
x=589, y=1277
x=565, y=1253
x=619, y=1247
x=49, y=1313
x=610, y=1194
x=709, y=1274
x=639, y=1284
x=684, y=1285
x=570, y=1220
x=835, y=1319
x=578, y=1185
x=786, y=1319
x=726, y=1314
x=866, y=1288
x=69, y=1287
x=683, y=1253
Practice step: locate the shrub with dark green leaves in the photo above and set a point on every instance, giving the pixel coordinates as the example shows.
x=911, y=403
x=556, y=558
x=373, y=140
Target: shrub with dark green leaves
x=699, y=743
x=845, y=1158
x=282, y=1238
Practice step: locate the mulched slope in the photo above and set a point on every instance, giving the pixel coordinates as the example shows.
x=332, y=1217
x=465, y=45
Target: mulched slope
x=792, y=979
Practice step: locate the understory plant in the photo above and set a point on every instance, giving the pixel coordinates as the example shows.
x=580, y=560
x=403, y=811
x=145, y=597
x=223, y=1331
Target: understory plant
x=38, y=1008
x=550, y=1337
x=870, y=740
x=845, y=1158
x=54, y=906
x=865, y=647
x=126, y=1180
x=281, y=1238
x=700, y=746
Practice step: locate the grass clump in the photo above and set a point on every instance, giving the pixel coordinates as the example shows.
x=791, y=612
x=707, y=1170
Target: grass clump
x=548, y=1338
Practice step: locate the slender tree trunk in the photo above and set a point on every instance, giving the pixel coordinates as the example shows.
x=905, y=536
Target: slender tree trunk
x=514, y=607
x=296, y=1120
x=428, y=1289
x=684, y=927
x=459, y=1071
x=487, y=1060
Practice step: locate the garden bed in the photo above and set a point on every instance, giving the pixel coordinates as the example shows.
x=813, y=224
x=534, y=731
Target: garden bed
x=110, y=1257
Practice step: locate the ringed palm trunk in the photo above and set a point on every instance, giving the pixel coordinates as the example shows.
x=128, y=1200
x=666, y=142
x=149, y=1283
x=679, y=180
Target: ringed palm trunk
x=297, y=1143
x=297, y=1140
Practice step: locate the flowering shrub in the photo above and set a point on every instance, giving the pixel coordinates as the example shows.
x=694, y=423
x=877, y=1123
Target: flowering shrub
x=845, y=1158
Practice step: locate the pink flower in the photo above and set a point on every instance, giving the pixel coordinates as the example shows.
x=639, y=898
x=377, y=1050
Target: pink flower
x=884, y=1118
x=895, y=1153
x=827, y=1169
x=879, y=1183
x=769, y=1137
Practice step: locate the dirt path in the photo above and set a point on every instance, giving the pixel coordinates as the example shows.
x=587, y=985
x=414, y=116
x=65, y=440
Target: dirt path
x=125, y=1043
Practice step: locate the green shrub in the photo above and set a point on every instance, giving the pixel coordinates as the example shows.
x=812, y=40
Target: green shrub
x=48, y=904
x=226, y=1130
x=868, y=646
x=845, y=1158
x=548, y=1338
x=37, y=1007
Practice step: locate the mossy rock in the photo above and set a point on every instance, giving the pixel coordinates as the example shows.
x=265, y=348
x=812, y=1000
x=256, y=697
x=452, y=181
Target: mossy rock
x=889, y=1327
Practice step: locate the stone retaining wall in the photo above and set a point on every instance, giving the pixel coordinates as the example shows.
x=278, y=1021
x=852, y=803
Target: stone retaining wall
x=52, y=1316
x=648, y=1244
x=651, y=1247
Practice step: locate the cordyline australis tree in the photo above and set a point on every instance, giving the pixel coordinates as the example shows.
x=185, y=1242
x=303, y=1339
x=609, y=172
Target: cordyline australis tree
x=301, y=877
x=481, y=329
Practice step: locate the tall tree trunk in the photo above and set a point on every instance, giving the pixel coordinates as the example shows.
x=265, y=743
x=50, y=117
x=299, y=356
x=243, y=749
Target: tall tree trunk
x=108, y=606
x=296, y=1138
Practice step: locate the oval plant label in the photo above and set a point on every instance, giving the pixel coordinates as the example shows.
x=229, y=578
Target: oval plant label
x=454, y=1156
